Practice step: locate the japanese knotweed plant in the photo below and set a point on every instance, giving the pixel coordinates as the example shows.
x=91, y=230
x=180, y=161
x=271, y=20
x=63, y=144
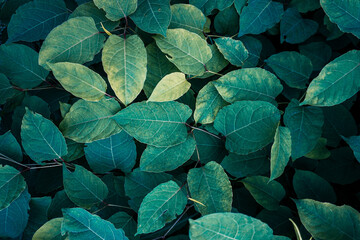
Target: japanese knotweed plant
x=198, y=119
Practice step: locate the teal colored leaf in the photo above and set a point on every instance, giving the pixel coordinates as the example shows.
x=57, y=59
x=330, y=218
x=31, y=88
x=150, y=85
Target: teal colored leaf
x=333, y=31
x=117, y=9
x=51, y=230
x=280, y=152
x=83, y=187
x=319, y=151
x=79, y=80
x=328, y=221
x=188, y=17
x=291, y=67
x=37, y=215
x=211, y=186
x=216, y=63
x=115, y=152
x=12, y=184
x=152, y=16
x=344, y=13
x=305, y=6
x=75, y=150
x=259, y=16
x=294, y=29
x=267, y=194
x=187, y=50
x=34, y=20
x=80, y=224
x=59, y=201
x=90, y=121
x=7, y=91
x=229, y=226
x=125, y=222
x=77, y=40
x=41, y=139
x=124, y=61
x=226, y=22
x=305, y=124
x=160, y=124
x=336, y=82
x=10, y=148
x=20, y=64
x=162, y=159
x=254, y=47
x=160, y=206
x=207, y=6
x=239, y=5
x=318, y=52
x=245, y=135
x=354, y=143
x=233, y=50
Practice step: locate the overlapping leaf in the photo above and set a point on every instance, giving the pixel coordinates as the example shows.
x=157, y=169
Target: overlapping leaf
x=280, y=152
x=12, y=184
x=117, y=9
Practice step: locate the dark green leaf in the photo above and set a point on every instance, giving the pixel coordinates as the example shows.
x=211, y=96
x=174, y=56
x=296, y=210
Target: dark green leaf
x=6, y=89
x=12, y=184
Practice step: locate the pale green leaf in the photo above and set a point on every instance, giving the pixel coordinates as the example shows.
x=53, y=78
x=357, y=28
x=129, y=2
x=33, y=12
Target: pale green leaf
x=280, y=152
x=188, y=17
x=233, y=50
x=117, y=9
x=12, y=184
x=51, y=230
x=6, y=89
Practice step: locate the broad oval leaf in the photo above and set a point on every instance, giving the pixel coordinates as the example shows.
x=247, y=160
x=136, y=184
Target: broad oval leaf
x=10, y=148
x=280, y=152
x=117, y=9
x=188, y=17
x=246, y=134
x=12, y=184
x=233, y=50
x=51, y=230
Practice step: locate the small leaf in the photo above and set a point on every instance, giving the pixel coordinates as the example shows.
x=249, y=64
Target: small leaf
x=51, y=230
x=188, y=17
x=12, y=184
x=280, y=152
x=296, y=229
x=233, y=50
x=117, y=9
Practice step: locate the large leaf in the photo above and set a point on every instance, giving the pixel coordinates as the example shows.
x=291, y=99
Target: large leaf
x=34, y=20
x=246, y=134
x=211, y=186
x=77, y=40
x=188, y=17
x=280, y=152
x=159, y=124
x=233, y=50
x=41, y=139
x=187, y=50
x=328, y=221
x=51, y=230
x=117, y=9
x=124, y=61
x=229, y=226
x=12, y=184
x=160, y=206
x=10, y=148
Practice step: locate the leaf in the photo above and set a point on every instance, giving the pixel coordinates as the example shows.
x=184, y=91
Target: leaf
x=160, y=206
x=12, y=184
x=336, y=82
x=328, y=221
x=80, y=44
x=344, y=14
x=245, y=135
x=229, y=226
x=354, y=143
x=79, y=80
x=152, y=16
x=83, y=187
x=188, y=17
x=162, y=159
x=249, y=84
x=124, y=221
x=34, y=20
x=267, y=194
x=51, y=230
x=41, y=139
x=296, y=229
x=259, y=16
x=233, y=50
x=20, y=64
x=80, y=224
x=90, y=121
x=10, y=148
x=216, y=63
x=291, y=67
x=75, y=150
x=211, y=186
x=305, y=125
x=280, y=152
x=144, y=120
x=6, y=89
x=115, y=152
x=207, y=6
x=318, y=52
x=226, y=22
x=187, y=50
x=117, y=9
x=60, y=201
x=319, y=151
x=305, y=6
x=278, y=220
x=254, y=47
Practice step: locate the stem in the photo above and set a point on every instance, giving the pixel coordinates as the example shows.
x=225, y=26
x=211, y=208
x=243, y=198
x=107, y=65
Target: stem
x=202, y=130
x=6, y=158
x=197, y=151
x=119, y=206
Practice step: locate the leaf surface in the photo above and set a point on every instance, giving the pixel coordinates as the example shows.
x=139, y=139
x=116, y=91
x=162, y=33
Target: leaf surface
x=117, y=9
x=188, y=17
x=50, y=230
x=233, y=50
x=12, y=184
x=280, y=152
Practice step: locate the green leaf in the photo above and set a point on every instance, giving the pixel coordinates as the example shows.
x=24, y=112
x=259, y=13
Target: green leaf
x=51, y=230
x=280, y=152
x=41, y=139
x=187, y=50
x=77, y=40
x=344, y=13
x=83, y=187
x=115, y=152
x=249, y=84
x=229, y=226
x=259, y=16
x=328, y=221
x=319, y=151
x=207, y=6
x=267, y=194
x=354, y=143
x=117, y=9
x=160, y=206
x=233, y=50
x=305, y=6
x=6, y=89
x=37, y=215
x=12, y=184
x=216, y=63
x=245, y=135
x=188, y=17
x=152, y=16
x=20, y=64
x=162, y=159
x=254, y=46
x=211, y=186
x=79, y=80
x=291, y=67
x=60, y=201
x=34, y=20
x=124, y=61
x=10, y=148
x=305, y=124
x=75, y=150
x=318, y=52
x=336, y=82
x=226, y=22
x=144, y=120
x=90, y=121
x=124, y=221
x=80, y=224
x=278, y=220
